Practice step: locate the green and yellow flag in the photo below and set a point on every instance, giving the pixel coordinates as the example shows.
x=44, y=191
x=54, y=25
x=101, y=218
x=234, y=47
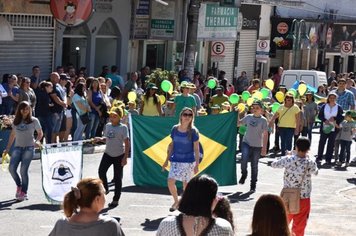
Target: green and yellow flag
x=150, y=137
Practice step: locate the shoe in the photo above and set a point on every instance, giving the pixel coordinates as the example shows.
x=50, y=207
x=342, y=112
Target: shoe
x=113, y=204
x=22, y=196
x=242, y=179
x=173, y=207
x=346, y=164
x=253, y=188
x=18, y=192
x=338, y=163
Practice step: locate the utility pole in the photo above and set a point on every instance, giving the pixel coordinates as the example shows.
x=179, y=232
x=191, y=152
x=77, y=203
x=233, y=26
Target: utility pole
x=191, y=38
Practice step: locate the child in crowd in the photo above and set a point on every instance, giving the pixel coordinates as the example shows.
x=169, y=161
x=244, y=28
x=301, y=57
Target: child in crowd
x=116, y=152
x=253, y=143
x=223, y=210
x=168, y=108
x=225, y=107
x=132, y=108
x=347, y=130
x=297, y=174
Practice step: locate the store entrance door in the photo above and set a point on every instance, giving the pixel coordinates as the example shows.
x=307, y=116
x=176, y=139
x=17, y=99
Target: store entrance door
x=155, y=56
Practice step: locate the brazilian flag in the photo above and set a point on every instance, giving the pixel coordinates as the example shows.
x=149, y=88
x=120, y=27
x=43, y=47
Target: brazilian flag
x=150, y=137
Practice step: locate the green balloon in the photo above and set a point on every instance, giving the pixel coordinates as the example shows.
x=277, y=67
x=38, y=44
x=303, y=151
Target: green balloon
x=166, y=85
x=327, y=128
x=211, y=83
x=234, y=98
x=265, y=93
x=275, y=107
x=246, y=95
x=242, y=129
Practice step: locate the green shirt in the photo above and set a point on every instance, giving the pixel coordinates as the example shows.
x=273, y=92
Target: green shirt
x=184, y=101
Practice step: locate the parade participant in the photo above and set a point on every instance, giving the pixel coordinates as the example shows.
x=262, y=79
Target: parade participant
x=219, y=98
x=184, y=100
x=330, y=115
x=288, y=120
x=277, y=78
x=345, y=98
x=255, y=86
x=151, y=104
x=269, y=212
x=241, y=83
x=116, y=152
x=22, y=133
x=82, y=206
x=253, y=143
x=196, y=218
x=297, y=174
x=183, y=153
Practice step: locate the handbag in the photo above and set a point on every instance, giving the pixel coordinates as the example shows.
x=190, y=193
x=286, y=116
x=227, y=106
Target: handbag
x=291, y=197
x=85, y=118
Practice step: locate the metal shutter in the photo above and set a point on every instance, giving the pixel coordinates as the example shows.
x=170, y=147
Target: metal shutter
x=33, y=45
x=247, y=52
x=228, y=64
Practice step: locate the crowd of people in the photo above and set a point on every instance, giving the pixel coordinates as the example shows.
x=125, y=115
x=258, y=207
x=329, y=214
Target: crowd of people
x=70, y=106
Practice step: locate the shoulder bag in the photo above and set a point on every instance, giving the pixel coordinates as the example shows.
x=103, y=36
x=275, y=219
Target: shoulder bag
x=291, y=197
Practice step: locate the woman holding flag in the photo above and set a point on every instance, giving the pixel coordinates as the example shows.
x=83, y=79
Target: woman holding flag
x=183, y=153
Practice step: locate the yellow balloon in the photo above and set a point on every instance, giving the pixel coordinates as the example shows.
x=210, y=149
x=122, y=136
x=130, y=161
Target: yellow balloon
x=241, y=107
x=170, y=91
x=162, y=98
x=257, y=95
x=280, y=96
x=302, y=88
x=132, y=96
x=270, y=84
x=249, y=101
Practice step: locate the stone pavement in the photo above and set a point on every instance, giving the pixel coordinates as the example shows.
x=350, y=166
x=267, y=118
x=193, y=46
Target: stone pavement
x=142, y=208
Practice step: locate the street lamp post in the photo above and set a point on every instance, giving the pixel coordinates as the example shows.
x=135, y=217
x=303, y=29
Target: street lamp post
x=77, y=49
x=300, y=41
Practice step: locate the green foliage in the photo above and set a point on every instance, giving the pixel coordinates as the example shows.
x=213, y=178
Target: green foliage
x=158, y=75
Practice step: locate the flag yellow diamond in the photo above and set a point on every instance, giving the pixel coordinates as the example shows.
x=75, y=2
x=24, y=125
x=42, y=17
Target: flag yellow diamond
x=212, y=150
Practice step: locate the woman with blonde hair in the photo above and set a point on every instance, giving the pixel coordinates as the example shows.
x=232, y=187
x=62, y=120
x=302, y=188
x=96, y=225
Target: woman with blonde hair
x=183, y=153
x=82, y=206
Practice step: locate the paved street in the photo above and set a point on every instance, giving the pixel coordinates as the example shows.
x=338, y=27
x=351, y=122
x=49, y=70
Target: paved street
x=141, y=209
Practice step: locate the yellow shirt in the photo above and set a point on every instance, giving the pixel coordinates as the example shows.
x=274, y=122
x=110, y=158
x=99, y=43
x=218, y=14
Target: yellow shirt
x=150, y=109
x=287, y=118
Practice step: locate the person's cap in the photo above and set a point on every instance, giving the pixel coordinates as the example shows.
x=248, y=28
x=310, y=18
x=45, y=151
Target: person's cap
x=219, y=88
x=64, y=76
x=151, y=86
x=226, y=103
x=191, y=86
x=332, y=94
x=202, y=111
x=282, y=86
x=131, y=102
x=215, y=107
x=258, y=103
x=309, y=92
x=171, y=100
x=184, y=84
x=288, y=94
x=116, y=111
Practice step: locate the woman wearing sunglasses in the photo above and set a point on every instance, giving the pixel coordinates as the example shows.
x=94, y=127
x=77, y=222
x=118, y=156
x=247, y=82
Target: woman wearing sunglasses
x=183, y=153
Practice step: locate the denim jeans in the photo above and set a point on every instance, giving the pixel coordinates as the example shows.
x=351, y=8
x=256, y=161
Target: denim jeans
x=252, y=154
x=345, y=149
x=23, y=155
x=92, y=125
x=78, y=134
x=330, y=147
x=286, y=135
x=46, y=124
x=56, y=121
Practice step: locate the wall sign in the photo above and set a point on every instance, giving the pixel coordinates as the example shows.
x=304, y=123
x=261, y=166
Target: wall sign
x=71, y=12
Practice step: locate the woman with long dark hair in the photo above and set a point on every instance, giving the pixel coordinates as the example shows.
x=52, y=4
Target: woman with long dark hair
x=183, y=153
x=42, y=108
x=270, y=217
x=95, y=99
x=196, y=206
x=81, y=106
x=151, y=104
x=330, y=115
x=22, y=133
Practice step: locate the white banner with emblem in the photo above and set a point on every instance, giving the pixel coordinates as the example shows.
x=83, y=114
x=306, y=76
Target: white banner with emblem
x=62, y=168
